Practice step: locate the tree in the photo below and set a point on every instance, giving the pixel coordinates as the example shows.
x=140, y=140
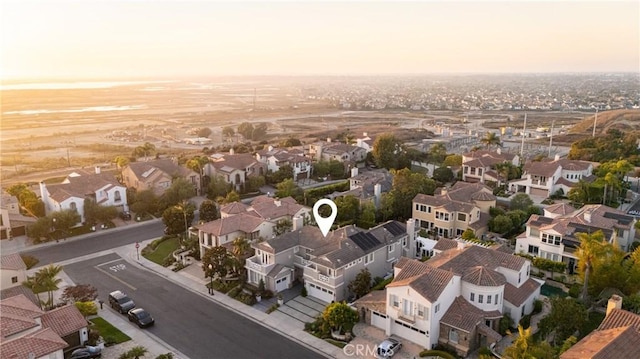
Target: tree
x=121, y=162
x=204, y=132
x=228, y=132
x=241, y=247
x=520, y=201
x=491, y=139
x=452, y=161
x=45, y=280
x=231, y=197
x=27, y=199
x=632, y=303
x=254, y=183
x=288, y=188
x=180, y=190
x=501, y=224
x=290, y=142
x=220, y=261
x=283, y=173
x=406, y=185
x=246, y=130
x=95, y=213
x=437, y=153
x=340, y=316
x=524, y=347
x=145, y=202
x=361, y=285
x=469, y=235
x=134, y=353
x=567, y=344
x=87, y=308
x=208, y=211
x=217, y=187
x=567, y=316
x=282, y=226
x=175, y=218
x=144, y=150
x=79, y=293
x=64, y=220
x=591, y=246
x=348, y=209
x=443, y=174
x=35, y=283
x=40, y=229
x=368, y=216
x=386, y=149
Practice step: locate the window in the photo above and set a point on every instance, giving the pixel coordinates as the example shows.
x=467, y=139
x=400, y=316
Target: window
x=420, y=311
x=472, y=297
x=394, y=300
x=368, y=258
x=14, y=279
x=453, y=335
x=407, y=307
x=496, y=299
x=533, y=250
x=443, y=216
x=480, y=298
x=117, y=197
x=437, y=308
x=519, y=277
x=551, y=239
x=390, y=248
x=462, y=217
x=404, y=241
x=488, y=299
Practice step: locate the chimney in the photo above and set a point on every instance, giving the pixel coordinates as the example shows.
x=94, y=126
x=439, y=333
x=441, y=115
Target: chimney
x=359, y=142
x=270, y=148
x=277, y=202
x=443, y=191
x=231, y=151
x=499, y=150
x=377, y=192
x=557, y=157
x=328, y=139
x=298, y=223
x=97, y=169
x=364, y=134
x=411, y=231
x=354, y=171
x=615, y=302
x=587, y=215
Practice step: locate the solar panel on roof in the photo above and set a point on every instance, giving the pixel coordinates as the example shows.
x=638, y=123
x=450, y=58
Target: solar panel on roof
x=624, y=219
x=394, y=228
x=365, y=241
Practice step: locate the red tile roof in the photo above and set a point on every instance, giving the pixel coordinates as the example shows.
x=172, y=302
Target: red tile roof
x=465, y=316
x=12, y=262
x=64, y=320
x=518, y=295
x=39, y=343
x=616, y=343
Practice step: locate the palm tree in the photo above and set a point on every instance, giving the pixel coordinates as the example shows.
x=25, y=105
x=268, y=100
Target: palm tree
x=34, y=283
x=491, y=139
x=46, y=277
x=591, y=246
x=240, y=247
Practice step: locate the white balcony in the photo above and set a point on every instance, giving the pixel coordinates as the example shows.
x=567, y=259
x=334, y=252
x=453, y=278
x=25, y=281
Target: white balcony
x=254, y=264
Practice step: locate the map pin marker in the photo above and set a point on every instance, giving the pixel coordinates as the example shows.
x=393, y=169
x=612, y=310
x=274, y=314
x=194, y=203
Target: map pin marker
x=325, y=223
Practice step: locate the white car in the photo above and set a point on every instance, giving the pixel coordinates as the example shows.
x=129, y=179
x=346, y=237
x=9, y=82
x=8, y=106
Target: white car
x=388, y=348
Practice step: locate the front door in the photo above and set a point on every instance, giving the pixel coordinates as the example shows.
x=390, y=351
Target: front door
x=572, y=264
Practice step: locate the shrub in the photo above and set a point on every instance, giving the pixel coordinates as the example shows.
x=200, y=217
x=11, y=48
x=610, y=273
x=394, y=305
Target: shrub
x=248, y=299
x=94, y=335
x=235, y=291
x=525, y=322
x=574, y=290
x=485, y=351
x=537, y=306
x=29, y=261
x=303, y=292
x=275, y=307
x=168, y=261
x=505, y=323
x=179, y=266
x=109, y=340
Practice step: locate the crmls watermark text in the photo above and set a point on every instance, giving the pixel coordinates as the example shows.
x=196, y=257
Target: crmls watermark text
x=362, y=351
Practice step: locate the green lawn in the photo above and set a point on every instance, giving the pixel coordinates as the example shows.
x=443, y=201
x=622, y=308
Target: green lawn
x=108, y=331
x=164, y=249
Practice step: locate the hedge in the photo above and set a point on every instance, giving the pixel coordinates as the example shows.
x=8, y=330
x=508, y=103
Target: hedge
x=439, y=353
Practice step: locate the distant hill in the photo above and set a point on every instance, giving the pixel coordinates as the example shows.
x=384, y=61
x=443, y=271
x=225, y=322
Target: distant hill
x=623, y=120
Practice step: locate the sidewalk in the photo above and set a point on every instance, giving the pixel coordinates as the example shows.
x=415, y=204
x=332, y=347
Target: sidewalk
x=197, y=285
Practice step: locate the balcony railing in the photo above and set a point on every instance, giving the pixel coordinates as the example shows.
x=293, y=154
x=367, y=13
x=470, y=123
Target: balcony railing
x=311, y=274
x=255, y=264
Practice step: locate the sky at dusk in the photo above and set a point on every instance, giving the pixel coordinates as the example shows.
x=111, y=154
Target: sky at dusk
x=124, y=39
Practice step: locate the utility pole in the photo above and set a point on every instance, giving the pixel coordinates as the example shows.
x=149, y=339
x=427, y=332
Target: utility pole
x=524, y=128
x=595, y=121
x=68, y=158
x=551, y=137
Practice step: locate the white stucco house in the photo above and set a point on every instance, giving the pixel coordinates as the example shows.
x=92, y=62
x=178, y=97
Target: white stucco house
x=275, y=158
x=545, y=178
x=554, y=235
x=455, y=298
x=102, y=188
x=478, y=166
x=13, y=271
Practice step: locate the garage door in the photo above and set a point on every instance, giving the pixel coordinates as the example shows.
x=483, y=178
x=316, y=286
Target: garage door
x=282, y=284
x=539, y=192
x=320, y=292
x=378, y=320
x=408, y=332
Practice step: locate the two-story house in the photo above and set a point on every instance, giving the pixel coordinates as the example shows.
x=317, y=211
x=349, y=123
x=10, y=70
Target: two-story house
x=275, y=158
x=478, y=166
x=554, y=235
x=326, y=265
x=451, y=211
x=455, y=298
x=545, y=178
x=365, y=142
x=13, y=271
x=327, y=151
x=102, y=188
x=28, y=332
x=235, y=169
x=12, y=222
x=367, y=186
x=157, y=175
x=257, y=220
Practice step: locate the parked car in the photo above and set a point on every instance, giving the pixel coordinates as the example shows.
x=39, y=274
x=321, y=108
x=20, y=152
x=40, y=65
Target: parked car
x=388, y=348
x=87, y=352
x=121, y=302
x=141, y=317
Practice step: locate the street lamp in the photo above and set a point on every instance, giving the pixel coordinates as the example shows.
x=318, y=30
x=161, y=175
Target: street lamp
x=210, y=278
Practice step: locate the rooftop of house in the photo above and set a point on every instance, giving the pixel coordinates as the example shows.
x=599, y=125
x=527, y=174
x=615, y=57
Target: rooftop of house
x=81, y=184
x=19, y=290
x=458, y=198
x=427, y=281
x=246, y=222
x=150, y=169
x=230, y=162
x=548, y=167
x=37, y=344
x=498, y=155
x=272, y=208
x=12, y=262
x=459, y=260
x=465, y=316
x=64, y=320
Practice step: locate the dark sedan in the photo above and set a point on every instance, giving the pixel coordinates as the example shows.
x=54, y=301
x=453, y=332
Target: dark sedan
x=141, y=317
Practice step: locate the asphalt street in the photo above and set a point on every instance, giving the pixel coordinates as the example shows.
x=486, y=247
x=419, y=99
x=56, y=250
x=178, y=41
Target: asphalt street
x=195, y=326
x=100, y=241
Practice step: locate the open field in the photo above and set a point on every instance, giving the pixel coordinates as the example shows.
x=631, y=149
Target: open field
x=50, y=131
